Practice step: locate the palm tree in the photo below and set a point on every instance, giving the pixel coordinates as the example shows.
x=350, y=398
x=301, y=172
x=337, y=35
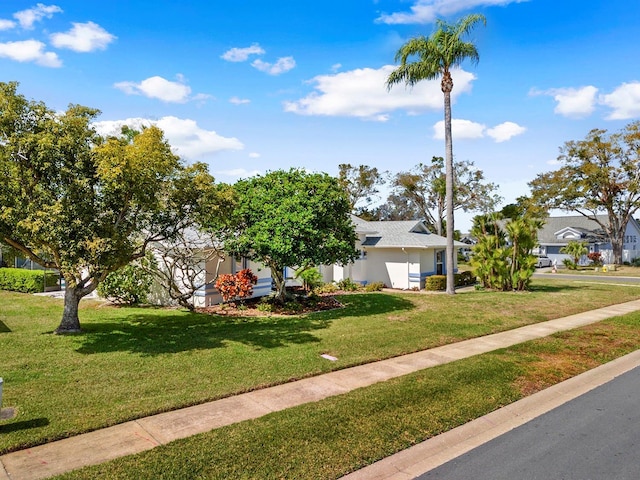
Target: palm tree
x=437, y=54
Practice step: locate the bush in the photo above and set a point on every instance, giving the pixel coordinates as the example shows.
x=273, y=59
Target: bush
x=374, y=286
x=570, y=264
x=236, y=286
x=435, y=283
x=596, y=258
x=264, y=306
x=463, y=279
x=26, y=281
x=311, y=278
x=129, y=285
x=326, y=288
x=348, y=285
x=636, y=262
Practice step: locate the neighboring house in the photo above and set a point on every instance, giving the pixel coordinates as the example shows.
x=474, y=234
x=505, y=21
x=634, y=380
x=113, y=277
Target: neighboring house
x=559, y=231
x=401, y=254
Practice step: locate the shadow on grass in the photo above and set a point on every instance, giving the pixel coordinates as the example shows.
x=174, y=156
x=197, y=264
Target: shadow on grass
x=4, y=328
x=154, y=334
x=23, y=425
x=546, y=288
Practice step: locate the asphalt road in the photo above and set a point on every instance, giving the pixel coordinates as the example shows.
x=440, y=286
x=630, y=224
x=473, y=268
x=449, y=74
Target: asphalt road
x=594, y=437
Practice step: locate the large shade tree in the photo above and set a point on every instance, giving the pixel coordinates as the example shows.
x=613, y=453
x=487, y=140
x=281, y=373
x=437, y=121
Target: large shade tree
x=430, y=58
x=83, y=204
x=599, y=175
x=361, y=183
x=292, y=219
x=424, y=187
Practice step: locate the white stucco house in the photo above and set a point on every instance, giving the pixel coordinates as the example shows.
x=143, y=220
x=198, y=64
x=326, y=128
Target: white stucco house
x=557, y=232
x=401, y=254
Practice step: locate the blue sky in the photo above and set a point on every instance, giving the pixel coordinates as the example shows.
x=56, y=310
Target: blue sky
x=252, y=86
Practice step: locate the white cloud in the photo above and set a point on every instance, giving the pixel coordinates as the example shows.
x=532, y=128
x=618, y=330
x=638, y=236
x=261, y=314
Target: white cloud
x=571, y=102
x=242, y=54
x=466, y=129
x=185, y=136
x=6, y=24
x=28, y=17
x=238, y=173
x=239, y=101
x=283, y=65
x=459, y=129
x=160, y=88
x=254, y=155
x=624, y=100
x=336, y=67
x=505, y=131
x=29, y=51
x=363, y=93
x=83, y=37
x=426, y=11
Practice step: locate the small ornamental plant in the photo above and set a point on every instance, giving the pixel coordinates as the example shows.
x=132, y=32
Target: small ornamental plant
x=596, y=258
x=236, y=286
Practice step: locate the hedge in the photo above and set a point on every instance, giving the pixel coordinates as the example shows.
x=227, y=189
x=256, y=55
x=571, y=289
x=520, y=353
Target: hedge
x=26, y=281
x=439, y=282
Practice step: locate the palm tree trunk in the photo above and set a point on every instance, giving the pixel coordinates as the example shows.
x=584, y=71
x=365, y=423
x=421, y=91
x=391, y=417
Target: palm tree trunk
x=451, y=288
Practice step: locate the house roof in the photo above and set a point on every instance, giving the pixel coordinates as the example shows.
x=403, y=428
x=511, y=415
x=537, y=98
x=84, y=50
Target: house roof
x=398, y=234
x=588, y=229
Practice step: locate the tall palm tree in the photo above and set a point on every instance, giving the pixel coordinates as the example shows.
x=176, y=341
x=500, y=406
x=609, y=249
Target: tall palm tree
x=437, y=54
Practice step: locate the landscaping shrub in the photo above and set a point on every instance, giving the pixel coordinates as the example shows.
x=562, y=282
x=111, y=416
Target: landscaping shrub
x=435, y=283
x=129, y=285
x=570, y=264
x=636, y=262
x=26, y=281
x=236, y=286
x=311, y=278
x=326, y=288
x=374, y=286
x=348, y=285
x=463, y=279
x=596, y=258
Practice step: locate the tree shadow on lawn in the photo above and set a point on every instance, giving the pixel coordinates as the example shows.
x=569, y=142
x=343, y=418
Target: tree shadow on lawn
x=546, y=288
x=4, y=328
x=150, y=334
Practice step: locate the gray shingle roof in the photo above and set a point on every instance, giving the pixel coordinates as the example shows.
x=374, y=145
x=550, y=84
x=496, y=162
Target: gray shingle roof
x=589, y=228
x=390, y=234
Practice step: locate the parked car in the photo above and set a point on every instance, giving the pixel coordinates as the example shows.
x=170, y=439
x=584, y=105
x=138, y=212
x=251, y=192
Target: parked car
x=543, y=261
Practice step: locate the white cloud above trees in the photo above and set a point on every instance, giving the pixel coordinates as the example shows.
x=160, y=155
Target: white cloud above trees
x=281, y=65
x=466, y=129
x=426, y=11
x=185, y=136
x=363, y=93
x=30, y=51
x=161, y=89
x=624, y=100
x=83, y=37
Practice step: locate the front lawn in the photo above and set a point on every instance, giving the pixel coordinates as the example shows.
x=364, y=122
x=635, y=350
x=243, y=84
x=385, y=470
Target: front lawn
x=130, y=362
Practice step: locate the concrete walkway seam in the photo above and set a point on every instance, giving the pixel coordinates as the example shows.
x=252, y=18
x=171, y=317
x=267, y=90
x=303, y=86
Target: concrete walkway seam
x=143, y=434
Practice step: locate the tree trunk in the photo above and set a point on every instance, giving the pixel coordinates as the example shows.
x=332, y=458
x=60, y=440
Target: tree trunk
x=70, y=322
x=280, y=284
x=447, y=85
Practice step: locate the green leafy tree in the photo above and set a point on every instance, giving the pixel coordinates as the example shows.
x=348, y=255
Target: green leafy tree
x=361, y=184
x=600, y=174
x=575, y=250
x=436, y=55
x=425, y=186
x=83, y=204
x=292, y=218
x=130, y=284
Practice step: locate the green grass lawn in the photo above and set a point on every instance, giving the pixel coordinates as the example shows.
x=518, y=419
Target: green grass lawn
x=330, y=438
x=130, y=363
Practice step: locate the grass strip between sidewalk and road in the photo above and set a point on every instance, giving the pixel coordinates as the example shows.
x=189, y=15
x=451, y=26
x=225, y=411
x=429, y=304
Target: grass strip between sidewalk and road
x=133, y=362
x=333, y=437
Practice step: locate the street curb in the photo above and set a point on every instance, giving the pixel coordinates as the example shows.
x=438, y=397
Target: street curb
x=442, y=448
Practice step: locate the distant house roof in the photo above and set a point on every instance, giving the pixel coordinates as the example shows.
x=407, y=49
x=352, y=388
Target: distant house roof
x=398, y=234
x=560, y=230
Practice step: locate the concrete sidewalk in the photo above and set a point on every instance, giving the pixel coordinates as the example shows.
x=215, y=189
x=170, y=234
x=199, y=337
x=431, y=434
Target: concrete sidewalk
x=146, y=433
